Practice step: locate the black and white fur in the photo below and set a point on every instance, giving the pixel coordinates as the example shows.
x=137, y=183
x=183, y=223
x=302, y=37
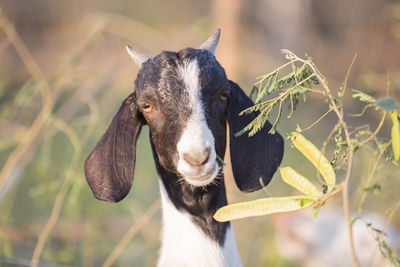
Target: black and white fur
x=186, y=99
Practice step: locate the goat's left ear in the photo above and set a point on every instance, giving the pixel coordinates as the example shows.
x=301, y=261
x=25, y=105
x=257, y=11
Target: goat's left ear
x=109, y=168
x=253, y=157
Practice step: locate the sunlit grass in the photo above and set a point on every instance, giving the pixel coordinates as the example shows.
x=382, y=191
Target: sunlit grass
x=49, y=122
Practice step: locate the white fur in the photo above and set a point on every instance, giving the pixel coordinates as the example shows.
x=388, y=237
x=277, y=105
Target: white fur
x=196, y=136
x=185, y=244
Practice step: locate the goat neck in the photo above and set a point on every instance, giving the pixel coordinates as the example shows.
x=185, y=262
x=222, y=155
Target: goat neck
x=190, y=235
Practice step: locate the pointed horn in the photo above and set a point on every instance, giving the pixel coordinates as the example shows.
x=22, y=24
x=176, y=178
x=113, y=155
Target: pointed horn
x=137, y=57
x=211, y=43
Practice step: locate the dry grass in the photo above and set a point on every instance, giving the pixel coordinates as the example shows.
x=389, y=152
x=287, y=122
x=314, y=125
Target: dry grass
x=58, y=91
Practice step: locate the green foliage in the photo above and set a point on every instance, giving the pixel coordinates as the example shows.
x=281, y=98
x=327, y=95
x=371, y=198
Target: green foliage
x=347, y=140
x=363, y=97
x=291, y=86
x=387, y=103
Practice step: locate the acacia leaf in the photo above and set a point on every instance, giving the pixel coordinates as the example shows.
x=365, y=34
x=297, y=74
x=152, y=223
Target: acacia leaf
x=387, y=103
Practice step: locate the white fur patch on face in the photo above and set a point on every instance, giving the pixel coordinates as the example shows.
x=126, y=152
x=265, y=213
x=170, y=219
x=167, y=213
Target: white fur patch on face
x=196, y=136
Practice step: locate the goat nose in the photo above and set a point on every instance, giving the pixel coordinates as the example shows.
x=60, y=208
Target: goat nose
x=197, y=159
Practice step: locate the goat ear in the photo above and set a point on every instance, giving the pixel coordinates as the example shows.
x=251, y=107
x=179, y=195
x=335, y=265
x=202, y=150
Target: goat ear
x=253, y=157
x=109, y=168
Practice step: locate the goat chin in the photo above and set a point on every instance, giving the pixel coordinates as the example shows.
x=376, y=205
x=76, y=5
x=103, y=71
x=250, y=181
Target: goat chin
x=204, y=180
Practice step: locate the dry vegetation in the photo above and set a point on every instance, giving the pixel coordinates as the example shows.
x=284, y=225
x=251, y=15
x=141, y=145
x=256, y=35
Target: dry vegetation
x=64, y=71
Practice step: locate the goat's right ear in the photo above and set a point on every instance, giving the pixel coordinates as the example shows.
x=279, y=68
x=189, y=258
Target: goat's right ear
x=256, y=157
x=109, y=168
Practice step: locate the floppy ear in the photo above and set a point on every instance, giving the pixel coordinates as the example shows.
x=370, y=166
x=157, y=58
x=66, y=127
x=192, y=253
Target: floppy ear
x=253, y=157
x=109, y=168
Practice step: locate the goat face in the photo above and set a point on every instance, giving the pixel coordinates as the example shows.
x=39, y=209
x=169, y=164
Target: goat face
x=186, y=99
x=183, y=98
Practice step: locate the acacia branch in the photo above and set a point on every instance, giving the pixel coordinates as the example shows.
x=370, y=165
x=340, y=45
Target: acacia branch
x=325, y=198
x=345, y=184
x=374, y=134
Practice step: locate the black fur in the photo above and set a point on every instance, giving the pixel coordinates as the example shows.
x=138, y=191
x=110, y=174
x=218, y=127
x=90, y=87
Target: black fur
x=255, y=157
x=109, y=168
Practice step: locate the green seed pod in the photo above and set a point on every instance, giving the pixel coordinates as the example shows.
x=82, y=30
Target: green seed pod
x=263, y=206
x=301, y=183
x=312, y=153
x=395, y=135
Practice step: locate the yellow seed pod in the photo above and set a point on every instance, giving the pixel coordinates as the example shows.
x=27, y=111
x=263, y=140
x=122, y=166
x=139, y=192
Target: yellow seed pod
x=301, y=183
x=395, y=135
x=312, y=153
x=263, y=206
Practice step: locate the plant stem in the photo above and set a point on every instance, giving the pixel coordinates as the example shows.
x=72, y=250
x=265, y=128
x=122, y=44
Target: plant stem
x=322, y=200
x=371, y=175
x=62, y=193
x=316, y=122
x=345, y=184
x=374, y=134
x=131, y=233
x=48, y=101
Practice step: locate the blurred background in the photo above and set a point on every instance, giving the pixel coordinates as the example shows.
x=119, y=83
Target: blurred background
x=64, y=71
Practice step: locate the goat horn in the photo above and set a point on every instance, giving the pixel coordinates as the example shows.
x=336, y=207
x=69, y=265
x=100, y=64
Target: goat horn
x=137, y=57
x=211, y=43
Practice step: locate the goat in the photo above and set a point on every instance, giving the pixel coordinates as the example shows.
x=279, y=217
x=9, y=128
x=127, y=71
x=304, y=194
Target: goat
x=186, y=99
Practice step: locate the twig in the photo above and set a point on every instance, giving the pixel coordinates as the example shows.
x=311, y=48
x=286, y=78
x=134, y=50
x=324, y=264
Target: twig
x=348, y=73
x=51, y=221
x=322, y=200
x=393, y=210
x=34, y=69
x=362, y=112
x=55, y=213
x=374, y=134
x=314, y=123
x=371, y=175
x=131, y=233
x=345, y=184
x=328, y=139
x=263, y=77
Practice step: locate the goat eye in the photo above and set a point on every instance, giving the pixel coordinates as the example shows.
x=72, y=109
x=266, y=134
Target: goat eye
x=147, y=107
x=224, y=95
